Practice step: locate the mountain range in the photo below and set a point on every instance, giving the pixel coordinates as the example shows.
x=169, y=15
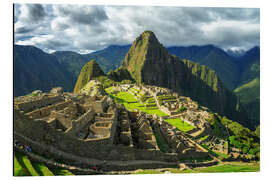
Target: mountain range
x=35, y=69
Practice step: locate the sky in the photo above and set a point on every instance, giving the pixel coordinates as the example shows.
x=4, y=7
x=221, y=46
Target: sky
x=88, y=28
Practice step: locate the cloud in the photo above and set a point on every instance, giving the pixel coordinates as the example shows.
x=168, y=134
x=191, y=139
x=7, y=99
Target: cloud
x=81, y=14
x=85, y=28
x=32, y=12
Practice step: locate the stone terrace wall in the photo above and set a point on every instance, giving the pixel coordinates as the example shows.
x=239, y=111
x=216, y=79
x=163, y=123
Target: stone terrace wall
x=45, y=111
x=45, y=140
x=81, y=122
x=45, y=101
x=100, y=106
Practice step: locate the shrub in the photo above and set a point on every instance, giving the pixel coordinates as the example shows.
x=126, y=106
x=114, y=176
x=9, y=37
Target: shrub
x=181, y=109
x=126, y=81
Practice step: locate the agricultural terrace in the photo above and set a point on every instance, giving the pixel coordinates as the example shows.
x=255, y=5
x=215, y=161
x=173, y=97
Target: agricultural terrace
x=180, y=124
x=131, y=102
x=23, y=166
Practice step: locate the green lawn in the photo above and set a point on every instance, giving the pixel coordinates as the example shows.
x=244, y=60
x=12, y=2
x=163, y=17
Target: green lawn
x=232, y=167
x=60, y=172
x=131, y=103
x=26, y=163
x=204, y=137
x=148, y=172
x=24, y=167
x=19, y=170
x=180, y=124
x=42, y=169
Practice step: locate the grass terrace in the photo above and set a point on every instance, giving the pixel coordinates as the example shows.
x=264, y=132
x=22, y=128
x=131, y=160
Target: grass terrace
x=131, y=103
x=166, y=97
x=161, y=142
x=23, y=166
x=222, y=168
x=204, y=137
x=180, y=124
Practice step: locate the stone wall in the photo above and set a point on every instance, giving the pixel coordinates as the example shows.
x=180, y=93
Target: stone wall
x=185, y=147
x=100, y=105
x=45, y=111
x=81, y=122
x=35, y=104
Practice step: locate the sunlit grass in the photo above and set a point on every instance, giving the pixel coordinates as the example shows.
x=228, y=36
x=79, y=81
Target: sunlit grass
x=180, y=124
x=26, y=163
x=18, y=169
x=131, y=103
x=42, y=169
x=232, y=167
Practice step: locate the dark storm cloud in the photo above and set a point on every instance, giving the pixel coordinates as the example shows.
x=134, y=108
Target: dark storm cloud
x=91, y=15
x=35, y=12
x=23, y=30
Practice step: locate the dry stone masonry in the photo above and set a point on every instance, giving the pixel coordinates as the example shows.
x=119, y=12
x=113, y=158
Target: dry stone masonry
x=84, y=125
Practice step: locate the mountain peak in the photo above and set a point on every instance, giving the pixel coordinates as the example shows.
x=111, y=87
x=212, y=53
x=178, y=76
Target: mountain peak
x=89, y=71
x=146, y=49
x=148, y=36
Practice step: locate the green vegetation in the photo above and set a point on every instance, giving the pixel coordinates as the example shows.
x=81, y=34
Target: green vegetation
x=204, y=137
x=89, y=71
x=161, y=142
x=136, y=56
x=105, y=81
x=131, y=103
x=42, y=169
x=257, y=131
x=249, y=92
x=60, y=172
x=224, y=167
x=240, y=137
x=182, y=109
x=180, y=124
x=121, y=75
x=26, y=163
x=232, y=167
x=24, y=167
x=148, y=172
x=249, y=95
x=165, y=97
x=18, y=169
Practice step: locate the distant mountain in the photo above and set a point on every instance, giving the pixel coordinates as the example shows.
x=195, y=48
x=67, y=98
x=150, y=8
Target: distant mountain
x=109, y=58
x=35, y=69
x=150, y=63
x=212, y=57
x=236, y=52
x=249, y=65
x=249, y=84
x=249, y=95
x=72, y=62
x=88, y=72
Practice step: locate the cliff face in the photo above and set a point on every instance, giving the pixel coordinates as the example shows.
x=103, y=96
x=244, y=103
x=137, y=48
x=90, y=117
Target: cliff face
x=88, y=72
x=149, y=63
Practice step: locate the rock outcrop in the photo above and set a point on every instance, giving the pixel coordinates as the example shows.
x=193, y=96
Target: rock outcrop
x=88, y=72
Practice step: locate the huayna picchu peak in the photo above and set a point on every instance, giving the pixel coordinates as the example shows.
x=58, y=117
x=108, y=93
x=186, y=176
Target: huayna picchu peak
x=149, y=63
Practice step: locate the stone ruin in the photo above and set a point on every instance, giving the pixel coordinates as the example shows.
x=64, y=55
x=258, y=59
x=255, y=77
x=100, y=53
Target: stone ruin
x=78, y=126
